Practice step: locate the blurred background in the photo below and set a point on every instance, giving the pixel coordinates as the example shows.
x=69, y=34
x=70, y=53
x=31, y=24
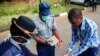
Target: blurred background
x=29, y=8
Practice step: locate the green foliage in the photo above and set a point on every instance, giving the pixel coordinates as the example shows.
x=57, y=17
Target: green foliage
x=12, y=11
x=35, y=9
x=57, y=8
x=4, y=24
x=9, y=10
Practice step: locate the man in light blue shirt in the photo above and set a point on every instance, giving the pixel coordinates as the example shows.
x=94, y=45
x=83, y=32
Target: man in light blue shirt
x=45, y=29
x=84, y=31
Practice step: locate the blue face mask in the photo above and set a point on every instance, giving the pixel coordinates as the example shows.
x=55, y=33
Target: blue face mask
x=45, y=18
x=27, y=43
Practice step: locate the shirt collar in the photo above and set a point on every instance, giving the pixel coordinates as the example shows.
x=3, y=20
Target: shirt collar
x=15, y=43
x=40, y=21
x=83, y=24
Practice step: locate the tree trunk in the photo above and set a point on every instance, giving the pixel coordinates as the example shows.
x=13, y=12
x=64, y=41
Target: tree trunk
x=67, y=2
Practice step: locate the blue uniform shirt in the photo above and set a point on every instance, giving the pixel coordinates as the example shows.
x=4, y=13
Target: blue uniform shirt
x=87, y=35
x=7, y=48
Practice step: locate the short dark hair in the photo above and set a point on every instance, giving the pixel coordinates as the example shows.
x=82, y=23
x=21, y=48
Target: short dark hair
x=74, y=12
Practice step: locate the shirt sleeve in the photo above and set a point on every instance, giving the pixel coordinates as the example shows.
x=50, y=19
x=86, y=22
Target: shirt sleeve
x=54, y=24
x=73, y=42
x=86, y=43
x=35, y=31
x=28, y=52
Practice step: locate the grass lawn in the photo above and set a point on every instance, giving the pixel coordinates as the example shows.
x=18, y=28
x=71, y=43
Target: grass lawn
x=9, y=10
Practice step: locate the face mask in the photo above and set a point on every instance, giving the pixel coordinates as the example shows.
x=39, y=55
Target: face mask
x=27, y=43
x=24, y=44
x=45, y=18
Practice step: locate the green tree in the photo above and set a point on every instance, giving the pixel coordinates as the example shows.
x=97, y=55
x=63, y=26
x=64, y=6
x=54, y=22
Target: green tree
x=64, y=2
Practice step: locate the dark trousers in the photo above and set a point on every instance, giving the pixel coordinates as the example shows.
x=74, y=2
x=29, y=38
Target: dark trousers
x=45, y=50
x=90, y=52
x=94, y=6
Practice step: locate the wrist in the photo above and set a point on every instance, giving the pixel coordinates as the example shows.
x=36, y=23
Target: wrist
x=47, y=42
x=60, y=40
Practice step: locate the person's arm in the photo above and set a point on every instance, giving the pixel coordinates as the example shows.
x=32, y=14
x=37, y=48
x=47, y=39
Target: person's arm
x=72, y=43
x=39, y=39
x=55, y=30
x=56, y=34
x=86, y=42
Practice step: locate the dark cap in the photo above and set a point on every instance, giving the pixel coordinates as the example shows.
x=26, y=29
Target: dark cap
x=44, y=8
x=20, y=25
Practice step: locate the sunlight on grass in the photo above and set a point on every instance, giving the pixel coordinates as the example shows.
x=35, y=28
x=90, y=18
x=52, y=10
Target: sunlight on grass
x=9, y=10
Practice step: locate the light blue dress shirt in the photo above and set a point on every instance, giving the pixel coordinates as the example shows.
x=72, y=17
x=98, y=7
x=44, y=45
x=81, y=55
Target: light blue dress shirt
x=45, y=29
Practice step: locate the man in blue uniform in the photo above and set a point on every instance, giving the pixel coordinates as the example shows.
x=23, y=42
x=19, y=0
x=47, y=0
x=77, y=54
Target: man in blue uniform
x=21, y=34
x=45, y=29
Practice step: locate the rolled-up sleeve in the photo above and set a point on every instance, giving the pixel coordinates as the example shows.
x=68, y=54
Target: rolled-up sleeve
x=54, y=26
x=35, y=31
